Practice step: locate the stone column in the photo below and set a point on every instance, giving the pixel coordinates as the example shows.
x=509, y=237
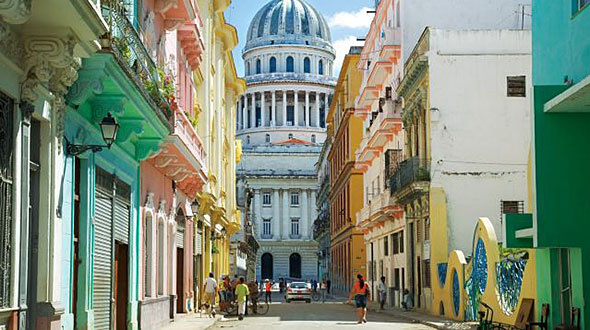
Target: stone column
x=240, y=114
x=304, y=215
x=262, y=119
x=274, y=109
x=286, y=220
x=317, y=109
x=245, y=112
x=314, y=210
x=296, y=109
x=276, y=216
x=307, y=110
x=326, y=106
x=257, y=210
x=253, y=111
x=284, y=108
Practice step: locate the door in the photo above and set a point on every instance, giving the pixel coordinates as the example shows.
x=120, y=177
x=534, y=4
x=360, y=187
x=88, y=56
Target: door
x=267, y=267
x=121, y=284
x=6, y=185
x=76, y=240
x=419, y=281
x=565, y=285
x=180, y=280
x=34, y=179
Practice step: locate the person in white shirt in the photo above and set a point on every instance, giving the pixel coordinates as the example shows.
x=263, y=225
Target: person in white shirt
x=210, y=289
x=323, y=290
x=382, y=290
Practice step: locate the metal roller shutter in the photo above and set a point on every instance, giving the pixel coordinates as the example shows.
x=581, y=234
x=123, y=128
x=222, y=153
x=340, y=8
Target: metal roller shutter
x=103, y=254
x=122, y=213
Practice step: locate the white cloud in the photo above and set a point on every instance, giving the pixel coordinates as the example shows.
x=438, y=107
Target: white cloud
x=351, y=19
x=342, y=46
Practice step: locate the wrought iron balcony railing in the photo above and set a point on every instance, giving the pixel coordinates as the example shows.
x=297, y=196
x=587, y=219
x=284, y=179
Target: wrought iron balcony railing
x=409, y=171
x=125, y=42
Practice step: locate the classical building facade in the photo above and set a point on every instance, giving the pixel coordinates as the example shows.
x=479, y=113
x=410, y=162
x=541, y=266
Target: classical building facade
x=281, y=122
x=347, y=249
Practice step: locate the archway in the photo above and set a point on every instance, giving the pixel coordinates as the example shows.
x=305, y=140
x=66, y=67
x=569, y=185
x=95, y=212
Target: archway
x=266, y=266
x=295, y=265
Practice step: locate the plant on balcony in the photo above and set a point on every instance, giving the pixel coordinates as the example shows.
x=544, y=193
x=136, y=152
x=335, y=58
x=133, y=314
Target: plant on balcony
x=122, y=45
x=214, y=249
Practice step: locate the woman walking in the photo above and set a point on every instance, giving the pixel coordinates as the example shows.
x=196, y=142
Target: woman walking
x=361, y=294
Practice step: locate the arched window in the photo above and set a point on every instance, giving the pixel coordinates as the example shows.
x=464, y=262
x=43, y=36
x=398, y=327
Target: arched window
x=266, y=266
x=258, y=67
x=295, y=265
x=148, y=247
x=290, y=136
x=313, y=138
x=160, y=232
x=267, y=138
x=273, y=64
x=321, y=67
x=247, y=68
x=290, y=64
x=306, y=65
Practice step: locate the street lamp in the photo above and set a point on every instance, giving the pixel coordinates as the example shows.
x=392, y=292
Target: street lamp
x=108, y=127
x=195, y=207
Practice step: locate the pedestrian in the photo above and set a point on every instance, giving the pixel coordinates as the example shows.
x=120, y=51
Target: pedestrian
x=242, y=292
x=267, y=290
x=361, y=294
x=328, y=285
x=407, y=302
x=210, y=289
x=382, y=290
x=323, y=290
x=314, y=285
x=281, y=285
x=254, y=295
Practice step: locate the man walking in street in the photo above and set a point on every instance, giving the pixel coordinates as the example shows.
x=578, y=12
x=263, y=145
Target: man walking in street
x=242, y=293
x=210, y=289
x=267, y=289
x=382, y=290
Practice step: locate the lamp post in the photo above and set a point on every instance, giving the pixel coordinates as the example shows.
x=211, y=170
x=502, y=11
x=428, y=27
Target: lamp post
x=109, y=129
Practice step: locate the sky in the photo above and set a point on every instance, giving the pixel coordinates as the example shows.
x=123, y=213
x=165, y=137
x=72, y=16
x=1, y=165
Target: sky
x=348, y=20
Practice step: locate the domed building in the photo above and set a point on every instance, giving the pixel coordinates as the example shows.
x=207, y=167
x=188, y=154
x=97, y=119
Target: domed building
x=281, y=119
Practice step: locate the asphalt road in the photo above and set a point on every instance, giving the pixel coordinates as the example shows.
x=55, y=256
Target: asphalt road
x=317, y=315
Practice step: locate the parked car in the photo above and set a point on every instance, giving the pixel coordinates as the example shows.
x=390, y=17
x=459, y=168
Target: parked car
x=298, y=291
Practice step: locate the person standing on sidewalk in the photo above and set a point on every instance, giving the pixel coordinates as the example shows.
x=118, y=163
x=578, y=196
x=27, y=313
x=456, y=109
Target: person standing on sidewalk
x=210, y=289
x=328, y=285
x=242, y=292
x=323, y=290
x=267, y=289
x=382, y=290
x=361, y=294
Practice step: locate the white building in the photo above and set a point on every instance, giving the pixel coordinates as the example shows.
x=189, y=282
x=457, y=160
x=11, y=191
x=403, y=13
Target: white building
x=281, y=122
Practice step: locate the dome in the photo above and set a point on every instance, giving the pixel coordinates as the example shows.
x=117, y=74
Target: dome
x=288, y=22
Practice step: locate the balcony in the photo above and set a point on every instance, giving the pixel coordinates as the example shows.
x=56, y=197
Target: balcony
x=191, y=42
x=391, y=45
x=379, y=209
x=124, y=41
x=412, y=176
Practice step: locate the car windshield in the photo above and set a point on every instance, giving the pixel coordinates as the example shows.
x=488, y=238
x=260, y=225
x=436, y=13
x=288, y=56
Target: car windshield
x=298, y=285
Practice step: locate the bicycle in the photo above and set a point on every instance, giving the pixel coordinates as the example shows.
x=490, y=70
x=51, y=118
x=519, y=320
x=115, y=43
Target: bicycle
x=256, y=306
x=486, y=320
x=315, y=295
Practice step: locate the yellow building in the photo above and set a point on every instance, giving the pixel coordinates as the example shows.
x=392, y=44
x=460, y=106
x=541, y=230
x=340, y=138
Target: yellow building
x=346, y=192
x=218, y=87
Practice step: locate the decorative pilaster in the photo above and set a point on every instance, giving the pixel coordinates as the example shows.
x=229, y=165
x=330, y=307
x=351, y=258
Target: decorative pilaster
x=296, y=109
x=276, y=231
x=274, y=109
x=257, y=210
x=49, y=61
x=240, y=113
x=15, y=11
x=262, y=105
x=286, y=221
x=304, y=215
x=253, y=111
x=245, y=112
x=317, y=109
x=307, y=110
x=284, y=108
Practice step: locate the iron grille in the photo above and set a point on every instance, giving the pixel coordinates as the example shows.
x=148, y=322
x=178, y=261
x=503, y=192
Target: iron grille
x=392, y=159
x=411, y=170
x=6, y=152
x=512, y=207
x=516, y=86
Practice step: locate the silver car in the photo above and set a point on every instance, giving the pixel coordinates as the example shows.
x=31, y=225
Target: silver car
x=298, y=291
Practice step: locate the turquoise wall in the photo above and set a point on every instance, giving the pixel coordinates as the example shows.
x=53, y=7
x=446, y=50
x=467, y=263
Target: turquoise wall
x=560, y=42
x=561, y=47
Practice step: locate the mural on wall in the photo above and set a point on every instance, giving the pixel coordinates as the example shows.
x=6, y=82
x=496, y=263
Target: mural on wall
x=456, y=293
x=442, y=273
x=509, y=274
x=476, y=282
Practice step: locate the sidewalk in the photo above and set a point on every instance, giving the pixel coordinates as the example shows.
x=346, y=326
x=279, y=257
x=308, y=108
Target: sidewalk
x=192, y=321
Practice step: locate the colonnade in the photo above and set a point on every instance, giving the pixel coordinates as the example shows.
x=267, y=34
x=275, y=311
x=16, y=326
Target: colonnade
x=296, y=108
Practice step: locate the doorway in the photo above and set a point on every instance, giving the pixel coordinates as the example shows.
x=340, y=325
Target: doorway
x=295, y=265
x=267, y=266
x=179, y=280
x=121, y=285
x=34, y=188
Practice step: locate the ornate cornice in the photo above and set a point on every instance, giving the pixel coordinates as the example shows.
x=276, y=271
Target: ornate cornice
x=49, y=61
x=15, y=11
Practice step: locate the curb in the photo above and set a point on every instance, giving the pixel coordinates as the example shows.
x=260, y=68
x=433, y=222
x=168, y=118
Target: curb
x=408, y=318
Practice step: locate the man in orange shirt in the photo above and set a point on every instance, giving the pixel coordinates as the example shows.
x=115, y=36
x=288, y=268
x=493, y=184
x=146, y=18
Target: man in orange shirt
x=267, y=289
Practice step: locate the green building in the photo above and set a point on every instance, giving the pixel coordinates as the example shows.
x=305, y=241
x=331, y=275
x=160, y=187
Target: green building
x=560, y=158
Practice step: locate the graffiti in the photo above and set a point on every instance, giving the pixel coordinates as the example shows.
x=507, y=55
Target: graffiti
x=456, y=292
x=475, y=284
x=509, y=274
x=442, y=273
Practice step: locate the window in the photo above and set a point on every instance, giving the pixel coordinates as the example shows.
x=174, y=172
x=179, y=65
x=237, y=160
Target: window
x=266, y=199
x=385, y=246
x=427, y=229
x=248, y=68
x=267, y=138
x=148, y=247
x=272, y=64
x=295, y=227
x=401, y=241
x=306, y=65
x=295, y=198
x=313, y=138
x=266, y=227
x=161, y=231
x=290, y=136
x=516, y=86
x=258, y=67
x=321, y=67
x=512, y=207
x=395, y=243
x=426, y=273
x=290, y=64
x=418, y=230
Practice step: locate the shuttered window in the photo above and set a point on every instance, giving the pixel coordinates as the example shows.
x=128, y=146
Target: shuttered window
x=6, y=177
x=516, y=86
